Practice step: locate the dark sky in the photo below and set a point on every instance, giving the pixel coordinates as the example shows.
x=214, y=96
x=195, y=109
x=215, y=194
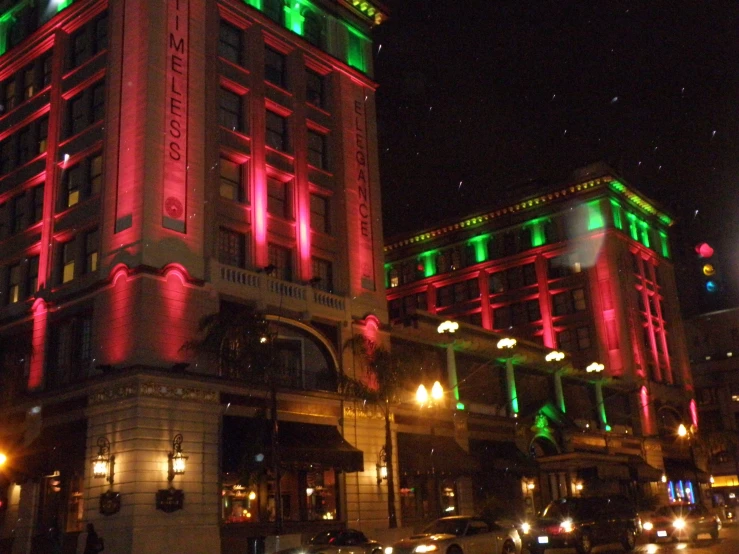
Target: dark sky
x=479, y=97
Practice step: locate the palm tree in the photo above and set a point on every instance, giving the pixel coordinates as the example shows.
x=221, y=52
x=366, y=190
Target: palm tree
x=387, y=376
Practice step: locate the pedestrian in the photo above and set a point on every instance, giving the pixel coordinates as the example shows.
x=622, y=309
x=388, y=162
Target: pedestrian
x=93, y=544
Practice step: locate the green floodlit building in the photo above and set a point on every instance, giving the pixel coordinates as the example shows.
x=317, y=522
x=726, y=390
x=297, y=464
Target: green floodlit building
x=583, y=268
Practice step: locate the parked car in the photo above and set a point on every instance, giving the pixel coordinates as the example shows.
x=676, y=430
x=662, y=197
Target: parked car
x=583, y=523
x=682, y=522
x=337, y=541
x=461, y=535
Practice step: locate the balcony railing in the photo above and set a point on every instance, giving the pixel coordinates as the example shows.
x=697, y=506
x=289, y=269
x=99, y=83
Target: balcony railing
x=272, y=291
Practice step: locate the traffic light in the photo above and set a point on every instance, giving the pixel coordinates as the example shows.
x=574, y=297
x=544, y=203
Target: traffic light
x=709, y=268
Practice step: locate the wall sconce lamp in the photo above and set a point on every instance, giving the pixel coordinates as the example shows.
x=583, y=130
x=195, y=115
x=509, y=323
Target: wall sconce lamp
x=530, y=485
x=381, y=466
x=579, y=486
x=103, y=465
x=176, y=465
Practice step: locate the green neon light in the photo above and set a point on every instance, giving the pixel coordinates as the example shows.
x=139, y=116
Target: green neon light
x=6, y=21
x=595, y=217
x=254, y=3
x=538, y=237
x=639, y=201
x=388, y=268
x=479, y=243
x=633, y=230
x=617, y=214
x=644, y=233
x=429, y=263
x=294, y=19
x=665, y=244
x=460, y=406
x=63, y=5
x=608, y=428
x=355, y=49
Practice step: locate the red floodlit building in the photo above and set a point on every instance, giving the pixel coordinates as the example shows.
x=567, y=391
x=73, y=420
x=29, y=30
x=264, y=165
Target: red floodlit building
x=584, y=268
x=161, y=161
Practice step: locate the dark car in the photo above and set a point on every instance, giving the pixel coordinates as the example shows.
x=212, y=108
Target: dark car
x=685, y=522
x=583, y=523
x=337, y=541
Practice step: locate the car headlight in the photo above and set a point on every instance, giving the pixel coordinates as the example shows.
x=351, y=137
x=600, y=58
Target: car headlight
x=679, y=523
x=422, y=548
x=525, y=527
x=388, y=550
x=648, y=525
x=567, y=526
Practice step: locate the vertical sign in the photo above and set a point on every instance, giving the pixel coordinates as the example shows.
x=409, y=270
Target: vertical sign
x=175, y=141
x=362, y=183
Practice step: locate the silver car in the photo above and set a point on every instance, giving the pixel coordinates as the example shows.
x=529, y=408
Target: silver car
x=461, y=535
x=337, y=541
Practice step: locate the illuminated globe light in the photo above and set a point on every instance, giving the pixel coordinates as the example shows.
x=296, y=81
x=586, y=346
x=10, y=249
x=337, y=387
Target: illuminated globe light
x=447, y=327
x=3, y=459
x=711, y=286
x=555, y=356
x=704, y=250
x=709, y=270
x=595, y=367
x=506, y=343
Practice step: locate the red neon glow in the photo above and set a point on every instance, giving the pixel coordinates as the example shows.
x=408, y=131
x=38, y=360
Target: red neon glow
x=694, y=413
x=704, y=250
x=117, y=329
x=304, y=242
x=646, y=413
x=38, y=340
x=260, y=219
x=175, y=293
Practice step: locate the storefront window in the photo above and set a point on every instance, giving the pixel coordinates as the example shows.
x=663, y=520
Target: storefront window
x=307, y=495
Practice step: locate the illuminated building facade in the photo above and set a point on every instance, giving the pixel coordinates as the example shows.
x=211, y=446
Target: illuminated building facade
x=159, y=162
x=584, y=268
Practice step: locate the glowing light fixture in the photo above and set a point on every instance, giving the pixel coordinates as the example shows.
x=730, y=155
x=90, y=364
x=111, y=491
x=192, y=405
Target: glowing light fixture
x=682, y=431
x=555, y=356
x=252, y=495
x=437, y=392
x=381, y=466
x=506, y=343
x=176, y=460
x=3, y=459
x=709, y=270
x=447, y=326
x=595, y=367
x=103, y=465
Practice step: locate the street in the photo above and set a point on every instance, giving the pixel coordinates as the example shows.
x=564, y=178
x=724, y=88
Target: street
x=728, y=543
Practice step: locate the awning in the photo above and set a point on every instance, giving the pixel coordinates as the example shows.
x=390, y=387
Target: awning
x=613, y=472
x=684, y=470
x=308, y=443
x=247, y=446
x=433, y=454
x=641, y=471
x=503, y=456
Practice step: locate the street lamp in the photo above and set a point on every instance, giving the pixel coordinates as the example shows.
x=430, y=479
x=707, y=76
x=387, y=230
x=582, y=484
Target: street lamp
x=436, y=398
x=3, y=459
x=507, y=345
x=554, y=357
x=448, y=328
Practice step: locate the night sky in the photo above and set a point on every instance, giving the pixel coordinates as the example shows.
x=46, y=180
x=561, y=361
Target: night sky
x=478, y=98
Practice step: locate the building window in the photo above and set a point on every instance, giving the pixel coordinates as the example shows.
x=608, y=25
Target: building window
x=46, y=68
x=502, y=318
x=230, y=110
x=66, y=261
x=317, y=150
x=323, y=274
x=278, y=198
x=72, y=340
x=564, y=265
x=393, y=278
x=42, y=134
x=7, y=155
x=315, y=88
x=232, y=184
x=231, y=247
x=37, y=199
x=533, y=310
x=26, y=150
x=18, y=213
x=85, y=109
x=14, y=283
x=574, y=340
x=89, y=40
x=32, y=276
x=320, y=214
x=281, y=259
x=92, y=240
x=82, y=181
x=277, y=136
x=569, y=302
x=275, y=65
x=29, y=82
x=230, y=45
x=10, y=94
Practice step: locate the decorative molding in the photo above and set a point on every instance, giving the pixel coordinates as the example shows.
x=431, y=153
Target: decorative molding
x=153, y=389
x=366, y=412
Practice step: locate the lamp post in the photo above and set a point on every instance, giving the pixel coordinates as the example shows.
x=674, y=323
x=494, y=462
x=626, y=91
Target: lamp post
x=597, y=368
x=448, y=328
x=507, y=345
x=687, y=433
x=432, y=401
x=555, y=357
